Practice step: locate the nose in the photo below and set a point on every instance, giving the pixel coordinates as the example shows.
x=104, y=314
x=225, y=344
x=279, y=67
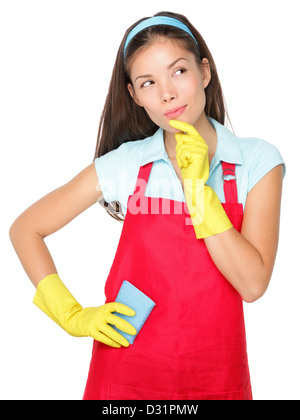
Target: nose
x=168, y=92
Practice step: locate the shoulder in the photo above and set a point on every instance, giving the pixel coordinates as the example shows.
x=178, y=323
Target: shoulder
x=119, y=165
x=259, y=157
x=129, y=149
x=133, y=153
x=252, y=145
x=123, y=158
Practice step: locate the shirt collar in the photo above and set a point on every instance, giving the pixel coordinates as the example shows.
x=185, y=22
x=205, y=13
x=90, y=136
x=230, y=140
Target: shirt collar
x=228, y=148
x=154, y=148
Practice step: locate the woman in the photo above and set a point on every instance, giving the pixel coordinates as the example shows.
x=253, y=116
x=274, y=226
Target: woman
x=162, y=130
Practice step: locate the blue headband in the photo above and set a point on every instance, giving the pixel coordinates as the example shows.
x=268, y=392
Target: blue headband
x=157, y=20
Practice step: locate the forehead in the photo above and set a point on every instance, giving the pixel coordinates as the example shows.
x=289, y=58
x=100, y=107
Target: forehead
x=159, y=54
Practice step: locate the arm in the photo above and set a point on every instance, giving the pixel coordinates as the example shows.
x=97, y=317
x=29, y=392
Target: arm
x=247, y=259
x=27, y=234
x=47, y=216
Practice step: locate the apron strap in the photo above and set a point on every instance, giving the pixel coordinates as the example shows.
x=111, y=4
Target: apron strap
x=229, y=185
x=144, y=174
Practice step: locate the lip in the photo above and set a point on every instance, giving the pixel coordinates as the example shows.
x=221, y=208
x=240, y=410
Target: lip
x=175, y=112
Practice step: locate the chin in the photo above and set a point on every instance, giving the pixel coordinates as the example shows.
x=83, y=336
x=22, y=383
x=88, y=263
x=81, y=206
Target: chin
x=169, y=129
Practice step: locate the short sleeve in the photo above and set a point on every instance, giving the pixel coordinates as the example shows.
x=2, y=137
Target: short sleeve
x=117, y=172
x=106, y=169
x=264, y=157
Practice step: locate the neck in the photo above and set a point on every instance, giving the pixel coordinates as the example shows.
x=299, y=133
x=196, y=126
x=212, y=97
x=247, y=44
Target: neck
x=206, y=131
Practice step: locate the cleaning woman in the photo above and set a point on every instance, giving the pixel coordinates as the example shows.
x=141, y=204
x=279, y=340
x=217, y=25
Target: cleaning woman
x=200, y=209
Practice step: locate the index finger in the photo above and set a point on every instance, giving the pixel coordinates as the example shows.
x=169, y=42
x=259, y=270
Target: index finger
x=121, y=308
x=185, y=127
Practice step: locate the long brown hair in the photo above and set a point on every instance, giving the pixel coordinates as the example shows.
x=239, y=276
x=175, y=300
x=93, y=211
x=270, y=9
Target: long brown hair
x=122, y=119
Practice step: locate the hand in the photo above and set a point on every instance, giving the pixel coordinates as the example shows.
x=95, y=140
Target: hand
x=192, y=158
x=94, y=322
x=191, y=152
x=53, y=298
x=207, y=213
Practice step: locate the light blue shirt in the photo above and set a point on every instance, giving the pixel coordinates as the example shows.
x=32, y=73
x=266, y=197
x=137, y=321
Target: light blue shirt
x=117, y=170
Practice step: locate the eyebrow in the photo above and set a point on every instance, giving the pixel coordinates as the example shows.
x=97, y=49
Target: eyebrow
x=169, y=67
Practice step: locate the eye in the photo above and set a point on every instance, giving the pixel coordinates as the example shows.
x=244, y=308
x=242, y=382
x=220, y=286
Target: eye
x=146, y=84
x=180, y=71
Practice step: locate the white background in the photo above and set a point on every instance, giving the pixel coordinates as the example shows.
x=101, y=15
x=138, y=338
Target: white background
x=56, y=61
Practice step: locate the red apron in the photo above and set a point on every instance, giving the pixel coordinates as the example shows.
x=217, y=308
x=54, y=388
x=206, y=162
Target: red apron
x=193, y=345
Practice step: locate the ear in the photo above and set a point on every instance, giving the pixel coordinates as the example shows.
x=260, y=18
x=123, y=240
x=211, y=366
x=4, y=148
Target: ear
x=133, y=95
x=206, y=73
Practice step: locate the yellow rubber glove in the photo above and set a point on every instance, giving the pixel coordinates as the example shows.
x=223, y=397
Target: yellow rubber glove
x=207, y=213
x=53, y=298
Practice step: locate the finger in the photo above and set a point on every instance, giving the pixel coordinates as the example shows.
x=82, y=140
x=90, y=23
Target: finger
x=192, y=151
x=184, y=155
x=121, y=324
x=121, y=308
x=181, y=138
x=190, y=148
x=195, y=145
x=190, y=141
x=185, y=127
x=114, y=335
x=186, y=159
x=98, y=336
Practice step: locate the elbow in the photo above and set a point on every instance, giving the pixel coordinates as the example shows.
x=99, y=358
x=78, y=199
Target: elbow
x=252, y=297
x=16, y=230
x=21, y=229
x=12, y=231
x=255, y=284
x=254, y=293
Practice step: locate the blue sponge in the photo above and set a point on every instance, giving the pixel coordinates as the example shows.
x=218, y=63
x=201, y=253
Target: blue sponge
x=142, y=305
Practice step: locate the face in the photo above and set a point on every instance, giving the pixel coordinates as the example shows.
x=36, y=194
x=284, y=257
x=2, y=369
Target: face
x=166, y=77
